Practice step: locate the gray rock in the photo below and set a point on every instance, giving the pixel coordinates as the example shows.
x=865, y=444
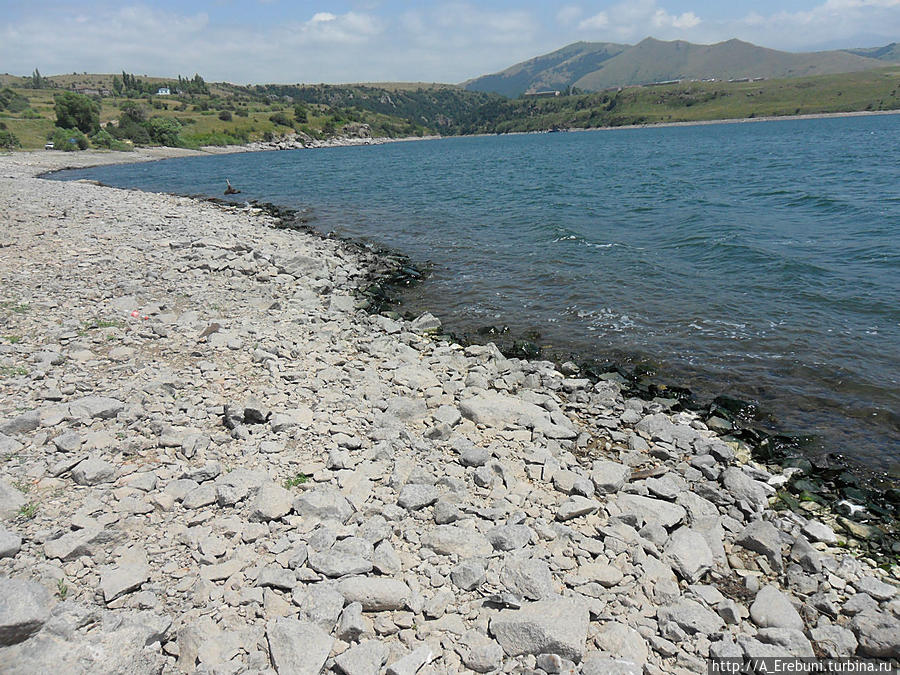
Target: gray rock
x=762, y=537
x=557, y=626
x=509, y=537
x=271, y=503
x=20, y=424
x=275, y=576
x=412, y=662
x=493, y=409
x=297, y=647
x=875, y=588
x=414, y=497
x=95, y=407
x=468, y=574
x=651, y=510
x=319, y=603
x=834, y=641
x=70, y=441
x=425, y=323
x=609, y=477
x=351, y=625
x=131, y=571
x=481, y=654
x=818, y=531
x=352, y=555
x=691, y=616
x=877, y=634
x=10, y=543
x=323, y=503
x=575, y=507
x=11, y=500
x=688, y=554
x=772, y=609
x=744, y=489
x=200, y=496
x=623, y=642
x=76, y=544
x=474, y=456
x=385, y=559
x=528, y=578
x=24, y=608
x=601, y=572
x=93, y=470
x=366, y=658
x=598, y=663
x=789, y=639
x=375, y=594
x=457, y=540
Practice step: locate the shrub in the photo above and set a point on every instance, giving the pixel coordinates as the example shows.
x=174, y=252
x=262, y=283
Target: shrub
x=104, y=139
x=75, y=111
x=280, y=118
x=225, y=116
x=164, y=130
x=69, y=140
x=8, y=140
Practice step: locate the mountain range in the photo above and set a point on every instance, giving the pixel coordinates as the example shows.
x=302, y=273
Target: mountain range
x=595, y=66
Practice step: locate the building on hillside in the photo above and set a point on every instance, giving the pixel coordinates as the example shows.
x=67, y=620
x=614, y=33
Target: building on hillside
x=542, y=94
x=91, y=91
x=163, y=91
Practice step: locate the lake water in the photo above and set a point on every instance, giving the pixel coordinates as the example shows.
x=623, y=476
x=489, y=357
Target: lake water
x=760, y=260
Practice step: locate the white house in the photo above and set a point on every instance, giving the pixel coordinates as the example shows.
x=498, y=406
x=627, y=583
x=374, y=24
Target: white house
x=163, y=91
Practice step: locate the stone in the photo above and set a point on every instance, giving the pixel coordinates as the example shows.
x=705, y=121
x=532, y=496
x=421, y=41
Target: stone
x=875, y=588
x=609, y=477
x=275, y=576
x=200, y=496
x=375, y=594
x=385, y=559
x=601, y=572
x=762, y=537
x=11, y=500
x=744, y=489
x=414, y=497
x=320, y=603
x=412, y=662
x=10, y=543
x=481, y=654
x=493, y=409
x=509, y=537
x=95, y=407
x=772, y=609
x=93, y=470
x=351, y=625
x=76, y=544
x=127, y=575
x=622, y=641
x=468, y=574
x=24, y=608
x=834, y=641
x=528, y=578
x=575, y=507
x=272, y=502
x=457, y=540
x=323, y=503
x=688, y=554
x=691, y=616
x=297, y=647
x=366, y=658
x=877, y=634
x=650, y=510
x=818, y=531
x=598, y=663
x=352, y=555
x=556, y=626
x=790, y=639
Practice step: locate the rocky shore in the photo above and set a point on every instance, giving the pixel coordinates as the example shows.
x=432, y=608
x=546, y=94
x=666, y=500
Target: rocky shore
x=213, y=459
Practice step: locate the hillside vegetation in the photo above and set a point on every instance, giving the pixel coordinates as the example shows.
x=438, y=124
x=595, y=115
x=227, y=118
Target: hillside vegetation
x=595, y=66
x=221, y=114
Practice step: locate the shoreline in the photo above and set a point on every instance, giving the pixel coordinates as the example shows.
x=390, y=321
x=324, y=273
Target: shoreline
x=226, y=457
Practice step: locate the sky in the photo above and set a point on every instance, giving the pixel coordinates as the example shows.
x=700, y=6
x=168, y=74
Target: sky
x=263, y=41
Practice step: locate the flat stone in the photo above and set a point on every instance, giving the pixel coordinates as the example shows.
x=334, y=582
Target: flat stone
x=468, y=574
x=510, y=537
x=762, y=537
x=93, y=470
x=651, y=510
x=127, y=575
x=222, y=570
x=688, y=554
x=24, y=608
x=557, y=626
x=11, y=500
x=609, y=477
x=599, y=663
x=875, y=588
x=835, y=641
x=602, y=573
x=744, y=489
x=76, y=544
x=575, y=507
x=412, y=662
x=95, y=407
x=481, y=654
x=297, y=647
x=275, y=576
x=457, y=540
x=323, y=503
x=622, y=641
x=10, y=543
x=320, y=603
x=877, y=633
x=375, y=594
x=818, y=531
x=352, y=555
x=772, y=609
x=272, y=502
x=366, y=658
x=691, y=616
x=414, y=496
x=493, y=409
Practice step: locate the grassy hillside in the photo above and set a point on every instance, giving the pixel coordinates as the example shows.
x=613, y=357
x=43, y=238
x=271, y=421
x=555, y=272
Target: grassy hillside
x=889, y=52
x=695, y=101
x=599, y=66
x=556, y=70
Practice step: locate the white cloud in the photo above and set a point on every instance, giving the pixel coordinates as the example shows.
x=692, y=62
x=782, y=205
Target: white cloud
x=569, y=14
x=634, y=20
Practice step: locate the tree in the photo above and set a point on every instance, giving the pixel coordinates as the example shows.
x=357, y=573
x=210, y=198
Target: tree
x=37, y=82
x=164, y=130
x=117, y=85
x=75, y=111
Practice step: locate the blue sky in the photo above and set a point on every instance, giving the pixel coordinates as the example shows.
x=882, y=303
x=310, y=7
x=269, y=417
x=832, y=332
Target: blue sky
x=248, y=41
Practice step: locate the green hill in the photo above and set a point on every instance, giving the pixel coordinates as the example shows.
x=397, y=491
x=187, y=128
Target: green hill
x=889, y=52
x=598, y=66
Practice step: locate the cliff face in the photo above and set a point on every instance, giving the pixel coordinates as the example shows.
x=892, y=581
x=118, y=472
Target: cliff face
x=213, y=460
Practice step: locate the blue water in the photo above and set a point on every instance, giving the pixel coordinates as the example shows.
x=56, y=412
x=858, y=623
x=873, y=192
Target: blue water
x=760, y=260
